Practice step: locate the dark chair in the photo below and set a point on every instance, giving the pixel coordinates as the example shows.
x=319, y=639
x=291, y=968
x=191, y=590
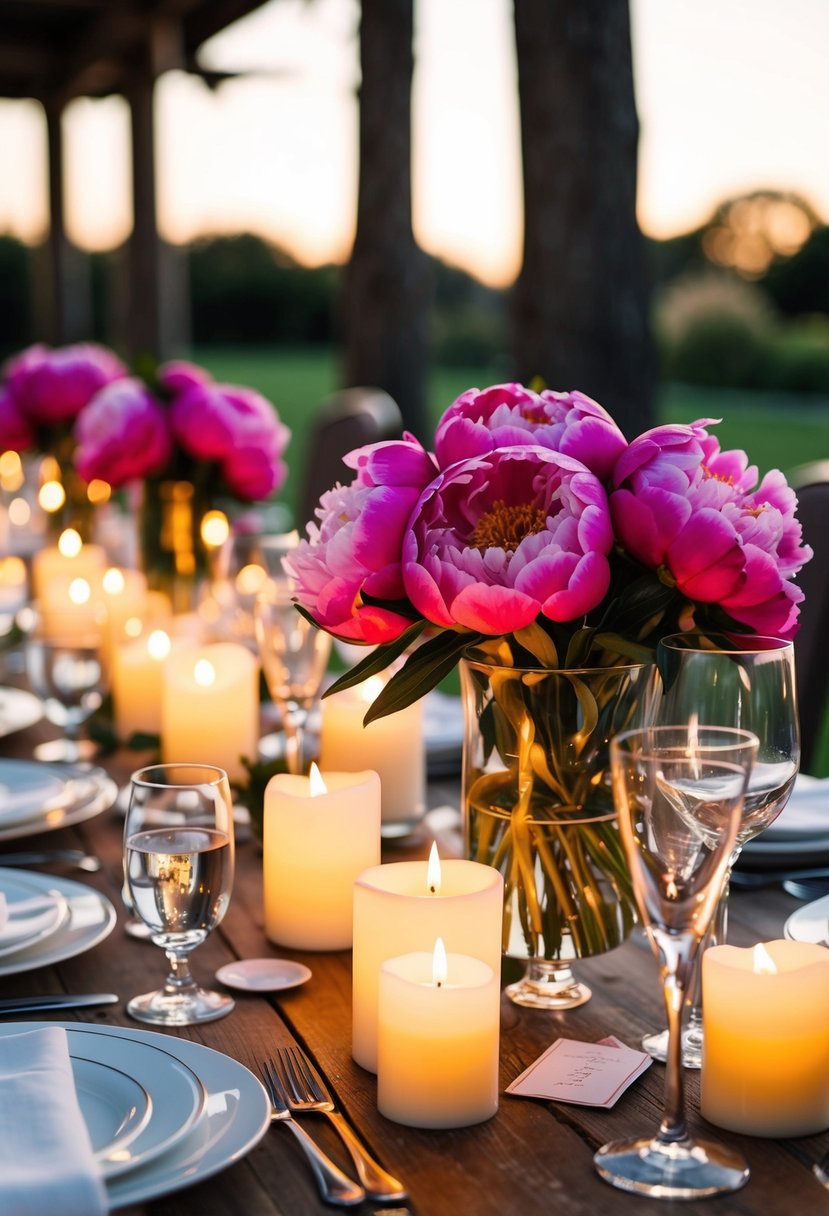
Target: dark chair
x=348, y=420
x=811, y=481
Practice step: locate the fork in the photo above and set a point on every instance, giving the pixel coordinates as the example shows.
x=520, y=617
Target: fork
x=334, y=1185
x=305, y=1090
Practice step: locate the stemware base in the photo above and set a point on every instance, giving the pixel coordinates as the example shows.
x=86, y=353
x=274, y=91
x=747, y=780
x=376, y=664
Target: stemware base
x=548, y=985
x=683, y=1169
x=656, y=1045
x=165, y=1008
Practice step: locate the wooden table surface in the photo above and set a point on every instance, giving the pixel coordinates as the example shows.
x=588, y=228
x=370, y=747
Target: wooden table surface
x=533, y=1158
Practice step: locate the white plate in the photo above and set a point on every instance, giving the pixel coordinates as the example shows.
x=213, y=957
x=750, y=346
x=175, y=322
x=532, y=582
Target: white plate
x=91, y=919
x=809, y=923
x=760, y=855
x=18, y=710
x=114, y=1106
x=88, y=792
x=806, y=814
x=237, y=1115
x=29, y=789
x=176, y=1095
x=263, y=974
x=34, y=914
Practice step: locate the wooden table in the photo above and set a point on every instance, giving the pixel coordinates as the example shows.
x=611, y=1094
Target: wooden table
x=532, y=1159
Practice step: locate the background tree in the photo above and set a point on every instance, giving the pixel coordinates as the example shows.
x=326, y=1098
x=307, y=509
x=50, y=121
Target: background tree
x=387, y=292
x=580, y=304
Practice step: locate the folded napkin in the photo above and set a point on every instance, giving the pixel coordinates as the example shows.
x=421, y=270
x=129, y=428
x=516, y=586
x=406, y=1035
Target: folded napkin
x=806, y=814
x=46, y=1163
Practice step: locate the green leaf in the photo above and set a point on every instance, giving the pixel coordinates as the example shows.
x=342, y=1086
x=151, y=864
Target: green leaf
x=424, y=670
x=539, y=643
x=377, y=660
x=625, y=647
x=643, y=598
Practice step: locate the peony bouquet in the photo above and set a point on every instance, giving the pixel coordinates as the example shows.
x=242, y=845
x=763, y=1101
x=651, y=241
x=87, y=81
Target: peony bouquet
x=549, y=554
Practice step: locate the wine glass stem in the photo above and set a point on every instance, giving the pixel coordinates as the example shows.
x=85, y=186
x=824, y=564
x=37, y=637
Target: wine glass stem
x=715, y=936
x=674, y=985
x=180, y=980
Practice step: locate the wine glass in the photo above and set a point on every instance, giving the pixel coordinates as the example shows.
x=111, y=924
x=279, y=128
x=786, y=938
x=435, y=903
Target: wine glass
x=178, y=869
x=679, y=795
x=66, y=666
x=749, y=683
x=294, y=656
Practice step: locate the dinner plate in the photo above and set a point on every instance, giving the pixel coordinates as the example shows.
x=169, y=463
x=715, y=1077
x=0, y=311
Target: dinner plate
x=760, y=854
x=91, y=918
x=114, y=1106
x=263, y=974
x=809, y=923
x=805, y=816
x=237, y=1115
x=86, y=792
x=18, y=710
x=34, y=914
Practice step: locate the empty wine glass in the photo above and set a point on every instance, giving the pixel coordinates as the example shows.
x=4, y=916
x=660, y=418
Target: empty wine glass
x=67, y=668
x=178, y=869
x=294, y=656
x=748, y=683
x=679, y=795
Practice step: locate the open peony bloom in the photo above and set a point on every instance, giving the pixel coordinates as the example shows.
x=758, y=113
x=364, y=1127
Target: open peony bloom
x=179, y=374
x=683, y=505
x=356, y=546
x=503, y=537
x=504, y=415
x=54, y=385
x=122, y=434
x=15, y=431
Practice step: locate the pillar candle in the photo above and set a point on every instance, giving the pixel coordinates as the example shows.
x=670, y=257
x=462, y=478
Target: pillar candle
x=68, y=560
x=392, y=746
x=137, y=668
x=437, y=1060
x=397, y=911
x=765, y=1061
x=71, y=610
x=319, y=834
x=124, y=593
x=210, y=706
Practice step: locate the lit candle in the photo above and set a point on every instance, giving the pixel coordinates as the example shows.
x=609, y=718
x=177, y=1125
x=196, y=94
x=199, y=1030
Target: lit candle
x=210, y=706
x=68, y=560
x=765, y=1063
x=13, y=584
x=124, y=593
x=71, y=611
x=438, y=1023
x=137, y=683
x=393, y=746
x=404, y=907
x=319, y=834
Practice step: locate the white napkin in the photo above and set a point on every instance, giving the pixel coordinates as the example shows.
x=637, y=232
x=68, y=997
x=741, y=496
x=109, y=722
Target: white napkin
x=806, y=814
x=46, y=1160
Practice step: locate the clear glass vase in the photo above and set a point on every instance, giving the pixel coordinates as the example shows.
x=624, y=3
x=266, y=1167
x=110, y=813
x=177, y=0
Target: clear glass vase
x=538, y=806
x=173, y=554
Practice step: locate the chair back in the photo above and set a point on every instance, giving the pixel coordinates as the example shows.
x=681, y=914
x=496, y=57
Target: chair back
x=350, y=419
x=811, y=481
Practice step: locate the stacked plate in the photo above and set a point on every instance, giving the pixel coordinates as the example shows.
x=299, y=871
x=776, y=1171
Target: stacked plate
x=799, y=837
x=162, y=1112
x=36, y=797
x=47, y=919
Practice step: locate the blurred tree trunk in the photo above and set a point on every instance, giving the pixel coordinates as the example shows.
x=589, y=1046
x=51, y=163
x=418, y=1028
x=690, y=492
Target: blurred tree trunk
x=580, y=305
x=387, y=288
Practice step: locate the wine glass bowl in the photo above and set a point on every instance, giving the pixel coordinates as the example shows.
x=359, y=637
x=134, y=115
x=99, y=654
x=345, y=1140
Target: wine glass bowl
x=178, y=876
x=294, y=656
x=679, y=793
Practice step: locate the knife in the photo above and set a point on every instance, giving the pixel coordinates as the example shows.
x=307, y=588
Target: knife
x=60, y=1000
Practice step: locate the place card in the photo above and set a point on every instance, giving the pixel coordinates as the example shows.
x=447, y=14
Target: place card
x=589, y=1074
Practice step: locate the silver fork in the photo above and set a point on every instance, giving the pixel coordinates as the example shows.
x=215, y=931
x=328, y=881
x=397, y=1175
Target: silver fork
x=334, y=1185
x=306, y=1091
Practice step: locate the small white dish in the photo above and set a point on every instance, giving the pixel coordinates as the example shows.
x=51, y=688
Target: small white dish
x=263, y=974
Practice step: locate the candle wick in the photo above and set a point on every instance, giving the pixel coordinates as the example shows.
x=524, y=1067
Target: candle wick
x=440, y=983
x=432, y=889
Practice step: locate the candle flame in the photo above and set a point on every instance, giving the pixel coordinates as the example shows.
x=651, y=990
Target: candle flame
x=80, y=591
x=159, y=646
x=204, y=673
x=763, y=963
x=316, y=784
x=70, y=543
x=433, y=874
x=250, y=580
x=51, y=496
x=133, y=628
x=113, y=581
x=370, y=690
x=214, y=529
x=439, y=965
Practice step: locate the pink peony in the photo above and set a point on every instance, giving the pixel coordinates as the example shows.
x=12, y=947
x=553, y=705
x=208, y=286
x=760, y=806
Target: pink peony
x=685, y=506
x=15, y=431
x=510, y=414
x=122, y=434
x=356, y=546
x=499, y=538
x=54, y=385
x=179, y=375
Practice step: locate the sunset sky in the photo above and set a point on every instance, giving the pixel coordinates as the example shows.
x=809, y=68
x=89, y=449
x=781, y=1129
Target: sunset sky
x=731, y=96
